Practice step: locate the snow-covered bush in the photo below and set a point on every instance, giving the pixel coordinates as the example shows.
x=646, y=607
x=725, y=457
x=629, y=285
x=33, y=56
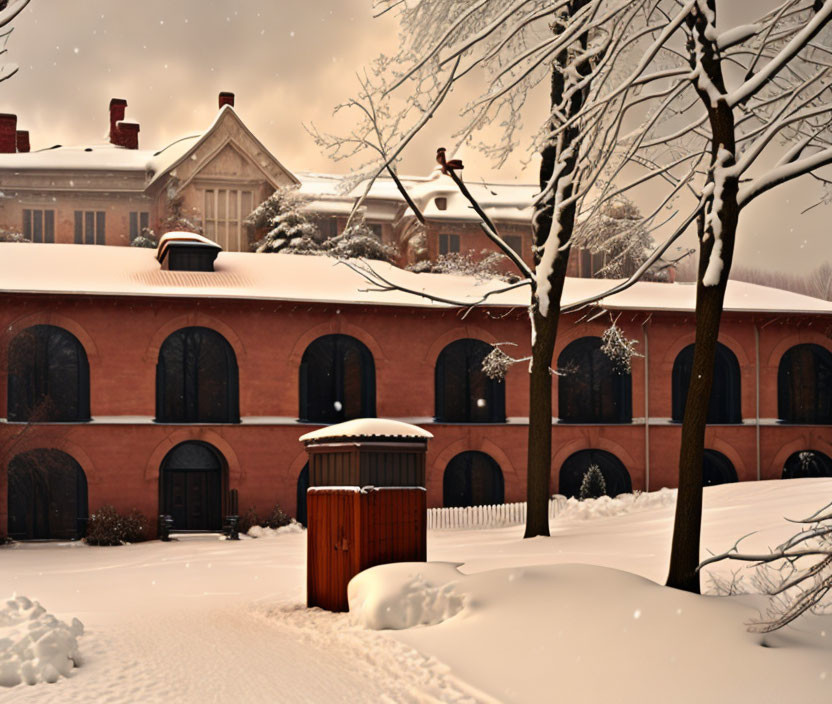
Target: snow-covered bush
x=277, y=518
x=109, y=527
x=486, y=266
x=358, y=241
x=147, y=239
x=593, y=485
x=12, y=236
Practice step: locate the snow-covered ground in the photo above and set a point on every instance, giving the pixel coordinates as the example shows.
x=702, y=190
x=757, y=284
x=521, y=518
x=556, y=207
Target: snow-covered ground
x=577, y=616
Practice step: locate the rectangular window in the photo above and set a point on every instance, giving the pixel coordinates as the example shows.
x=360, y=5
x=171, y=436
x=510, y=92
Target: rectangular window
x=90, y=227
x=448, y=244
x=139, y=222
x=376, y=229
x=515, y=242
x=39, y=225
x=224, y=213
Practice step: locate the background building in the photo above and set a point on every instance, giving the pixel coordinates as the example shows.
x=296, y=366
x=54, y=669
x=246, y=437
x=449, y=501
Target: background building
x=142, y=385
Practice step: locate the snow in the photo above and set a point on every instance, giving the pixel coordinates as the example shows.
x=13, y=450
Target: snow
x=368, y=428
x=579, y=614
x=266, y=532
x=34, y=645
x=133, y=271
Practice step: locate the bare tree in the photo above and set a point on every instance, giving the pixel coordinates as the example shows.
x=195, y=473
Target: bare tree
x=797, y=574
x=578, y=50
x=756, y=99
x=9, y=9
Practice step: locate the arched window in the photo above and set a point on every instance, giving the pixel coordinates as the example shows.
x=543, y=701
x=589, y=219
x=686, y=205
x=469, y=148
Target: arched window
x=337, y=380
x=464, y=393
x=47, y=496
x=725, y=393
x=196, y=379
x=473, y=479
x=49, y=376
x=616, y=477
x=804, y=386
x=590, y=389
x=807, y=463
x=191, y=486
x=303, y=485
x=717, y=469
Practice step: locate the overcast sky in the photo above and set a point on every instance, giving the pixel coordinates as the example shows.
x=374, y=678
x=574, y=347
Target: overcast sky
x=289, y=63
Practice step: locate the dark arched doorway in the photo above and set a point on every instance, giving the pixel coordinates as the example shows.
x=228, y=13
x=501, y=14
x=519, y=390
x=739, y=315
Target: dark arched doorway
x=590, y=388
x=804, y=386
x=717, y=469
x=337, y=380
x=725, y=401
x=196, y=379
x=191, y=485
x=463, y=391
x=616, y=477
x=48, y=376
x=47, y=496
x=303, y=485
x=473, y=479
x=807, y=463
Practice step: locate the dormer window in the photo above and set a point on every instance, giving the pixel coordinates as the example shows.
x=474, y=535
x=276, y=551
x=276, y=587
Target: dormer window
x=441, y=203
x=187, y=251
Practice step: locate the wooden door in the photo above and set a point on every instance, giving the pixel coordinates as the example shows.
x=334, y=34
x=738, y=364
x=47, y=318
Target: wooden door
x=192, y=498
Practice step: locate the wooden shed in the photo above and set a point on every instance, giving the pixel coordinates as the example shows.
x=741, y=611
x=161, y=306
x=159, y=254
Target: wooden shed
x=366, y=503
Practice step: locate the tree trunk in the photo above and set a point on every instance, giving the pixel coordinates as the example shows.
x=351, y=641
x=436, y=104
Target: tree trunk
x=684, y=556
x=540, y=419
x=545, y=329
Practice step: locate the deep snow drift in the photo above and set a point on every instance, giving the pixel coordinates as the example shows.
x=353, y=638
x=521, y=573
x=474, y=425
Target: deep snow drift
x=34, y=645
x=206, y=620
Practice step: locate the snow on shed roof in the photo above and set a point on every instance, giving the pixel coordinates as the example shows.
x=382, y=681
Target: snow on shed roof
x=367, y=428
x=134, y=271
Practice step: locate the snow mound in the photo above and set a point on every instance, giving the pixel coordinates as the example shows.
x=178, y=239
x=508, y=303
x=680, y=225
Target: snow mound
x=34, y=645
x=405, y=594
x=265, y=532
x=621, y=505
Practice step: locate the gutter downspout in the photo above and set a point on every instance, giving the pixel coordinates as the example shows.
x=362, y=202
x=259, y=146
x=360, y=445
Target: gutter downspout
x=646, y=406
x=757, y=400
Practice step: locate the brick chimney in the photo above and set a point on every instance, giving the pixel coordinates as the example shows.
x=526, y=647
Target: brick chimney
x=226, y=98
x=117, y=108
x=127, y=134
x=22, y=141
x=8, y=134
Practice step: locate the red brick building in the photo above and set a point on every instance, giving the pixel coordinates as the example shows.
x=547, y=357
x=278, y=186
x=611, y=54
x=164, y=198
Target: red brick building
x=147, y=386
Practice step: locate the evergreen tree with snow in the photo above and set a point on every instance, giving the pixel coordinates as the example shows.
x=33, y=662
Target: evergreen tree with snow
x=617, y=231
x=593, y=485
x=288, y=227
x=358, y=241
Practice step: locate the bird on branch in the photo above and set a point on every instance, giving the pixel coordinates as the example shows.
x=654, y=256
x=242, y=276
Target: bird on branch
x=453, y=164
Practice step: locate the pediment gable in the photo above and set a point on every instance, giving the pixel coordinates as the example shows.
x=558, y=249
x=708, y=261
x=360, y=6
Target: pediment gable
x=229, y=149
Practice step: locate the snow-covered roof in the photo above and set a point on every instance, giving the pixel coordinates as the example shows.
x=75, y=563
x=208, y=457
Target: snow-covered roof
x=367, y=428
x=134, y=271
x=504, y=202
x=109, y=157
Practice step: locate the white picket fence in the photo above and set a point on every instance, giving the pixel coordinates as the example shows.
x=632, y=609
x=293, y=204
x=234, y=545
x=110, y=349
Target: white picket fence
x=486, y=516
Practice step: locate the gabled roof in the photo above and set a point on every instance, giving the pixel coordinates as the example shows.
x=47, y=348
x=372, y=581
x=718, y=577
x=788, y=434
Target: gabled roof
x=69, y=269
x=155, y=163
x=168, y=159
